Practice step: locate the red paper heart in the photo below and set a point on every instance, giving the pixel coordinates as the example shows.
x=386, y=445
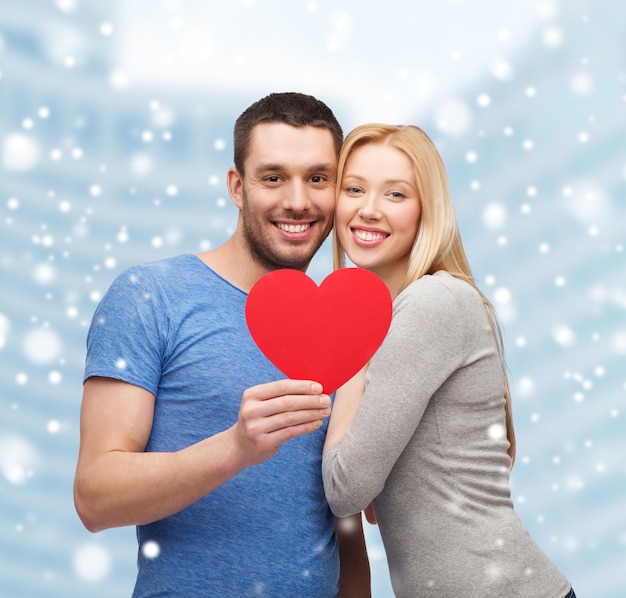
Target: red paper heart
x=326, y=333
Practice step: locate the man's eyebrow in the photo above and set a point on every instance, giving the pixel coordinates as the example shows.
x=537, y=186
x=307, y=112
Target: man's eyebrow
x=322, y=167
x=276, y=167
x=269, y=167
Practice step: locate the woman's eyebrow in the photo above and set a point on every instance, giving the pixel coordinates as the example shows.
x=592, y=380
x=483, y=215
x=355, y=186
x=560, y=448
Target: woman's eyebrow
x=358, y=177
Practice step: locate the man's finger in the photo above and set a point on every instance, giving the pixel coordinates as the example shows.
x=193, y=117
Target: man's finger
x=279, y=388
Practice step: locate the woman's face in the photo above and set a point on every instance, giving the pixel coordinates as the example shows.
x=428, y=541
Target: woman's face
x=378, y=210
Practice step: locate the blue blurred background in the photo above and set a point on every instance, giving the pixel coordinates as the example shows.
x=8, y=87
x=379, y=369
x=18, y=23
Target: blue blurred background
x=115, y=135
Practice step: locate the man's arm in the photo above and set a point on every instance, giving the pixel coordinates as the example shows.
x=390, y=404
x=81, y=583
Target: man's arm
x=354, y=571
x=117, y=483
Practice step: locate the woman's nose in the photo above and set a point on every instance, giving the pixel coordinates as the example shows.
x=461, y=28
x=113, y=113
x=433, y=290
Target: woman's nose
x=369, y=209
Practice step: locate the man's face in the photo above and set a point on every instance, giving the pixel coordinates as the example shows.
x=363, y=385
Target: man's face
x=287, y=194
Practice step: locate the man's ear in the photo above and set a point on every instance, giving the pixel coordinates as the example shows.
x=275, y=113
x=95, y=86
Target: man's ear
x=234, y=183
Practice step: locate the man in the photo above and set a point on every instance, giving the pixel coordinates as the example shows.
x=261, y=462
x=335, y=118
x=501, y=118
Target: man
x=182, y=417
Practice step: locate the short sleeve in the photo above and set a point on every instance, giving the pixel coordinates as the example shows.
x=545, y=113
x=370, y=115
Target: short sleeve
x=128, y=332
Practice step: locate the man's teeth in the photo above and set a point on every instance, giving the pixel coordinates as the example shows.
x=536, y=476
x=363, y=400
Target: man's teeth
x=293, y=228
x=366, y=235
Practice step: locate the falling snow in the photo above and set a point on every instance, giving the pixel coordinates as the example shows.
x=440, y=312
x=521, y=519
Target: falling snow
x=92, y=562
x=150, y=549
x=18, y=459
x=114, y=145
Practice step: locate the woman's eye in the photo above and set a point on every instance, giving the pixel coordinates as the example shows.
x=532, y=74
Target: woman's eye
x=396, y=195
x=353, y=190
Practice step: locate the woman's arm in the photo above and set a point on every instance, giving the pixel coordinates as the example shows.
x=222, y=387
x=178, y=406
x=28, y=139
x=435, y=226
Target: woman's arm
x=424, y=345
x=354, y=578
x=347, y=400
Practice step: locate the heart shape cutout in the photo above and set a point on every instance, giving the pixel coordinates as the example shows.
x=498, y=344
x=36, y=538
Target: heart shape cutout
x=326, y=333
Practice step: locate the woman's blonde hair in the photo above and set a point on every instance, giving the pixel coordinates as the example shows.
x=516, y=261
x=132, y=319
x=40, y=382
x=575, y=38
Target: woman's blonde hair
x=437, y=245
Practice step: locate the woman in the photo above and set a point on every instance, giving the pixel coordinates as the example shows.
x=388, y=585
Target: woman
x=432, y=441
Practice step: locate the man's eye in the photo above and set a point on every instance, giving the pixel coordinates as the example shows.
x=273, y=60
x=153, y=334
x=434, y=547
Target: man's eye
x=317, y=179
x=272, y=179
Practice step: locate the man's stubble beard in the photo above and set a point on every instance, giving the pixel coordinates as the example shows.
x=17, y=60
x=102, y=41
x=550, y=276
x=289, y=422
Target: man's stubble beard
x=261, y=249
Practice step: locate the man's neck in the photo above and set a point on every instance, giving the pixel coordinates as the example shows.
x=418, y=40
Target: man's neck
x=234, y=263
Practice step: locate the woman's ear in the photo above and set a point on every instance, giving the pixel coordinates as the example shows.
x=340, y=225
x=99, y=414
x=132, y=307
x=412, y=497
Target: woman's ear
x=234, y=183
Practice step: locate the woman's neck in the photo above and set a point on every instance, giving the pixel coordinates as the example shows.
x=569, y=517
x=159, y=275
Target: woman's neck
x=393, y=277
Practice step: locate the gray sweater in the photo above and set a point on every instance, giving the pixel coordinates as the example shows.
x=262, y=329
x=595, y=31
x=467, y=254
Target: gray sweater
x=428, y=446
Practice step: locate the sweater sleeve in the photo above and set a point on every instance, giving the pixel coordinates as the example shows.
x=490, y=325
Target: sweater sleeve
x=424, y=346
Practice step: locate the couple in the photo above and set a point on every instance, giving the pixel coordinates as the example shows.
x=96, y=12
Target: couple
x=189, y=433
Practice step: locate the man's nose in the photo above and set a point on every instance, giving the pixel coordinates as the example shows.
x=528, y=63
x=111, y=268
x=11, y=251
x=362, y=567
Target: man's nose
x=296, y=197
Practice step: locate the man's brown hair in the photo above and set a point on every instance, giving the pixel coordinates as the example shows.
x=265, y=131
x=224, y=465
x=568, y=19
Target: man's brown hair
x=292, y=108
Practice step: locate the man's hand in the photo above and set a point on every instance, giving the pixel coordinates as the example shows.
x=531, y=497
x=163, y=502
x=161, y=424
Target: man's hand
x=275, y=412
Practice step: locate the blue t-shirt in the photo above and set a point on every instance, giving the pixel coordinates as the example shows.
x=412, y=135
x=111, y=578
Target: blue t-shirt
x=178, y=330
